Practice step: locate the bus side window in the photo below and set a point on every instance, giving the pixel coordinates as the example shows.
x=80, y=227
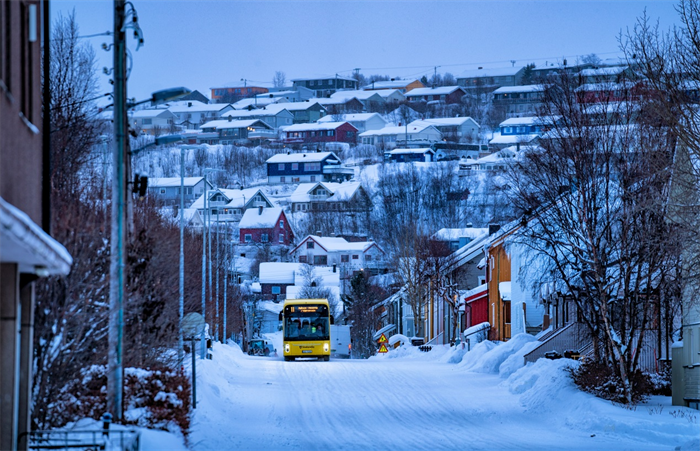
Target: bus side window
x=332, y=321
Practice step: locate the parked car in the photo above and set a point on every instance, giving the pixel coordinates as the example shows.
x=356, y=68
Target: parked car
x=450, y=157
x=258, y=346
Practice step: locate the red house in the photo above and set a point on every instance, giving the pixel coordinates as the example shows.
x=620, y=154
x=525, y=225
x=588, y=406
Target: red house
x=265, y=225
x=442, y=94
x=325, y=132
x=476, y=306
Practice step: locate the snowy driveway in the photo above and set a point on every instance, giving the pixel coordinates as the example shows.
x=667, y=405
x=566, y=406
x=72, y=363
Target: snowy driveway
x=414, y=403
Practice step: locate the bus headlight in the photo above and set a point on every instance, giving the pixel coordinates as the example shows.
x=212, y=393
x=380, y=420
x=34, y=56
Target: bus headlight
x=286, y=348
x=325, y=347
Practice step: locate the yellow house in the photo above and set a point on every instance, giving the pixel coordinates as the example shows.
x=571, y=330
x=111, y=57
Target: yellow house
x=498, y=279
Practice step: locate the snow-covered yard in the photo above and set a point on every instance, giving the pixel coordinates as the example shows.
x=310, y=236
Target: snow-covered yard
x=410, y=400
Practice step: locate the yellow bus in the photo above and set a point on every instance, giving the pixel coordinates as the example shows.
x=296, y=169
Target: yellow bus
x=306, y=329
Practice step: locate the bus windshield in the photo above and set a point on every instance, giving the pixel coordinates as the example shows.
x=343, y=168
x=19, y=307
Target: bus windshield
x=307, y=323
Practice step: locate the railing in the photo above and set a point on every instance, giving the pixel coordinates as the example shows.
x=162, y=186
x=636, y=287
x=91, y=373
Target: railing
x=572, y=337
x=479, y=336
x=86, y=440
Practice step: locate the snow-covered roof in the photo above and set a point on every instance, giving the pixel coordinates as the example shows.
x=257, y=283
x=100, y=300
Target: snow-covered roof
x=305, y=157
x=255, y=102
x=390, y=84
x=324, y=77
x=243, y=123
x=269, y=110
x=355, y=117
x=492, y=72
x=384, y=93
x=513, y=121
x=270, y=306
x=359, y=95
x=514, y=89
x=476, y=290
x=399, y=130
x=455, y=234
x=421, y=150
x=297, y=106
x=602, y=71
x=512, y=139
x=275, y=272
x=339, y=192
x=438, y=121
x=148, y=113
x=257, y=218
x=440, y=90
x=237, y=197
x=334, y=101
x=316, y=126
x=198, y=107
x=324, y=274
x=164, y=182
x=336, y=244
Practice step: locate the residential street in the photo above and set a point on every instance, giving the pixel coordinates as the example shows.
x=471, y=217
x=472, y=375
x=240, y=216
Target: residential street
x=415, y=402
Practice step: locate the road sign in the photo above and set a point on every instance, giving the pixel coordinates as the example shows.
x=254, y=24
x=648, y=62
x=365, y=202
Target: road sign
x=382, y=339
x=192, y=324
x=383, y=349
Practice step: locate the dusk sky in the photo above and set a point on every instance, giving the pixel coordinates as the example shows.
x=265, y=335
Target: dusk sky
x=206, y=44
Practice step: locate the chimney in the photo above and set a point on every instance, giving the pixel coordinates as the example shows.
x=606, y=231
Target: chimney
x=332, y=234
x=230, y=118
x=469, y=225
x=189, y=104
x=334, y=267
x=493, y=228
x=260, y=209
x=318, y=233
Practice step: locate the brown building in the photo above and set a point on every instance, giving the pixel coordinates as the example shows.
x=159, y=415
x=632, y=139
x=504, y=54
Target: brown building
x=26, y=251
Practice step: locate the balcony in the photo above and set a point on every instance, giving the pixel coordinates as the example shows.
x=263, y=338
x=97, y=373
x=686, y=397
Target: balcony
x=338, y=169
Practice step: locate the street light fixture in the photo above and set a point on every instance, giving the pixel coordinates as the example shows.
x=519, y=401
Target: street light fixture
x=162, y=96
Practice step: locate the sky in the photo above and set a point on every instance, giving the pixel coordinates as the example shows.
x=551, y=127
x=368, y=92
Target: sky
x=207, y=44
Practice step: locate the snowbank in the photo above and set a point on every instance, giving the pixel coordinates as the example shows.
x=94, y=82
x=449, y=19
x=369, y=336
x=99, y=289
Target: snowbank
x=490, y=362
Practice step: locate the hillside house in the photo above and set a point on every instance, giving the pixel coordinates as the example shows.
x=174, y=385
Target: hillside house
x=340, y=105
x=274, y=115
x=371, y=100
x=519, y=130
x=265, y=225
x=167, y=189
x=519, y=100
x=227, y=206
x=306, y=167
x=442, y=94
x=361, y=121
x=609, y=74
x=453, y=129
x=305, y=112
x=335, y=251
x=417, y=135
x=486, y=80
x=233, y=91
x=402, y=86
x=328, y=196
x=152, y=121
x=275, y=278
x=324, y=86
x=192, y=114
x=419, y=155
x=229, y=131
x=458, y=238
x=320, y=132
x=286, y=94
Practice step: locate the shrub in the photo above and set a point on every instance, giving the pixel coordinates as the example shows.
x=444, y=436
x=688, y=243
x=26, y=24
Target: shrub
x=599, y=379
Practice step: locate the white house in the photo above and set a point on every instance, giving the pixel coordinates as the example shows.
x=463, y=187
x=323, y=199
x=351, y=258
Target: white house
x=388, y=137
x=168, y=188
x=228, y=205
x=152, y=121
x=275, y=115
x=456, y=129
x=329, y=251
x=368, y=98
x=330, y=196
x=361, y=121
x=192, y=114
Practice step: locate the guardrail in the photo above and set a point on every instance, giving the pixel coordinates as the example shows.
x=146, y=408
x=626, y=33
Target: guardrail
x=82, y=440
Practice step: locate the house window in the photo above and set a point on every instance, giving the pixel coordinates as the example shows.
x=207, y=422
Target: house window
x=312, y=167
x=264, y=237
x=280, y=166
x=281, y=223
x=320, y=259
x=309, y=244
x=302, y=259
x=355, y=256
x=282, y=238
x=313, y=178
x=368, y=257
x=276, y=289
x=248, y=237
x=162, y=190
x=344, y=258
x=506, y=311
x=295, y=166
x=330, y=133
x=281, y=179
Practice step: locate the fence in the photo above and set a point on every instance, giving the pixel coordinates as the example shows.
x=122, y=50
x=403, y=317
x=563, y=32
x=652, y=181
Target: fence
x=82, y=440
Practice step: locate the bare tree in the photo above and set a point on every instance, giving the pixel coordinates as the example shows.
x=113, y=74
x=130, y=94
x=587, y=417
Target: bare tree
x=362, y=307
x=279, y=80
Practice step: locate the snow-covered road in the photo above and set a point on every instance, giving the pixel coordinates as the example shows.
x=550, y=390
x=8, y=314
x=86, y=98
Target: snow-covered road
x=416, y=402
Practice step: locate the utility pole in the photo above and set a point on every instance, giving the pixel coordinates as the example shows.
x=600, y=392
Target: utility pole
x=204, y=257
x=115, y=382
x=181, y=309
x=218, y=264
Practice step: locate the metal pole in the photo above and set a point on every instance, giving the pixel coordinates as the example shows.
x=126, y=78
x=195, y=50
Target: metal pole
x=194, y=376
x=226, y=269
x=204, y=254
x=118, y=235
x=211, y=285
x=216, y=328
x=181, y=306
